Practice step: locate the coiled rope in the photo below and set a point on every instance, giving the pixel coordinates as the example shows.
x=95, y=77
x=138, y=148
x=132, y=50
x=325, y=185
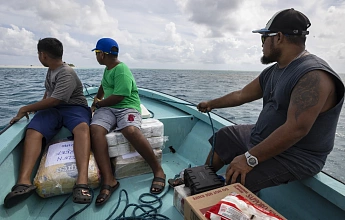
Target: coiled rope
x=148, y=211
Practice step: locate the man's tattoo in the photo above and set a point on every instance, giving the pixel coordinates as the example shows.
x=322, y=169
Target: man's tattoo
x=306, y=92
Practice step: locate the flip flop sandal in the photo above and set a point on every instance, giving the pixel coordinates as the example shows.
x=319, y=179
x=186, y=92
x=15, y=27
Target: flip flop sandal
x=81, y=194
x=19, y=192
x=105, y=196
x=175, y=182
x=159, y=188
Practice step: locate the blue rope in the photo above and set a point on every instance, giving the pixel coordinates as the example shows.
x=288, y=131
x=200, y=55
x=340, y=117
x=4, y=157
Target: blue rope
x=213, y=139
x=87, y=91
x=152, y=114
x=76, y=213
x=146, y=207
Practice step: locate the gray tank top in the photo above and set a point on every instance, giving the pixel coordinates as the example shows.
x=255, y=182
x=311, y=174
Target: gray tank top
x=308, y=156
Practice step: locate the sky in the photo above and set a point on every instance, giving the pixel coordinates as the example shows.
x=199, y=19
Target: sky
x=164, y=34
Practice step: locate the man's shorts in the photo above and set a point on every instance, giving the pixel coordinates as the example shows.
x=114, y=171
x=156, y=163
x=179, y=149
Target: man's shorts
x=49, y=121
x=118, y=119
x=233, y=141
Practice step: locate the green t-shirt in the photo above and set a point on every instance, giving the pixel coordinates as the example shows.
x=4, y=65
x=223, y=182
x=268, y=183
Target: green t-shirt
x=120, y=81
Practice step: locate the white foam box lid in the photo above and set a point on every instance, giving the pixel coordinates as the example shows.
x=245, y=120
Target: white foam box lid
x=150, y=127
x=125, y=148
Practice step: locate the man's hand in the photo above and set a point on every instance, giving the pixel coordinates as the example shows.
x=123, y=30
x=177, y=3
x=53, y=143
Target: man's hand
x=204, y=107
x=238, y=166
x=93, y=107
x=21, y=113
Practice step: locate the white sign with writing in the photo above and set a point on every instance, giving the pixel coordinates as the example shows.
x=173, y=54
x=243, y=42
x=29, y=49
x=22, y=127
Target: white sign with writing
x=60, y=153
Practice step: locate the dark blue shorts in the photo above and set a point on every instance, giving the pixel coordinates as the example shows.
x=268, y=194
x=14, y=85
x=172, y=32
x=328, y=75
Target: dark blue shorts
x=49, y=121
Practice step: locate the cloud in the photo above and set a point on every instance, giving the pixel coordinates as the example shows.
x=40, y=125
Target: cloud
x=164, y=34
x=217, y=16
x=17, y=41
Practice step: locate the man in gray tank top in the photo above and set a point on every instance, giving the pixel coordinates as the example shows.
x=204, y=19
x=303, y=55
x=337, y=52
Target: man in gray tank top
x=302, y=100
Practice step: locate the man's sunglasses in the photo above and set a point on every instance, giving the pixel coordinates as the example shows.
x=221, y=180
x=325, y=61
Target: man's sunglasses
x=264, y=36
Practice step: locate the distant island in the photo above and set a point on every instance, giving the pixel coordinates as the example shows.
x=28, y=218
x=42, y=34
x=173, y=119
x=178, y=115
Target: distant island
x=70, y=64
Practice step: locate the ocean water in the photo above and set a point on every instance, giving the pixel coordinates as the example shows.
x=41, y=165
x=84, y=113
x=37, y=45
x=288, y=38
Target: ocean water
x=19, y=86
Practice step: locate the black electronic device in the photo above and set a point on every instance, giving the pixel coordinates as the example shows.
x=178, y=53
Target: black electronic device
x=200, y=179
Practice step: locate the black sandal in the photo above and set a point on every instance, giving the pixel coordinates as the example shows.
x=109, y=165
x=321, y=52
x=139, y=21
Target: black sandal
x=19, y=192
x=81, y=194
x=158, y=188
x=105, y=196
x=176, y=182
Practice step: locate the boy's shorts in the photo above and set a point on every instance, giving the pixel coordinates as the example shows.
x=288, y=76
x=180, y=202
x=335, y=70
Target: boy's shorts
x=110, y=118
x=49, y=121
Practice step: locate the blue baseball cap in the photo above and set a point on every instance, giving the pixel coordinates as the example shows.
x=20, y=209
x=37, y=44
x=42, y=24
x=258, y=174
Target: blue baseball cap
x=106, y=44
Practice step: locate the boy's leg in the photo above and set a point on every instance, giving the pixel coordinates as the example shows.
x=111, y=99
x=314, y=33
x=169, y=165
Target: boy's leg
x=24, y=188
x=103, y=120
x=76, y=119
x=143, y=147
x=31, y=151
x=81, y=149
x=37, y=129
x=100, y=149
x=129, y=122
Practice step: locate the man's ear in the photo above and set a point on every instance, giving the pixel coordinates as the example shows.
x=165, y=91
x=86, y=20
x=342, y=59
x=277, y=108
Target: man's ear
x=44, y=55
x=280, y=37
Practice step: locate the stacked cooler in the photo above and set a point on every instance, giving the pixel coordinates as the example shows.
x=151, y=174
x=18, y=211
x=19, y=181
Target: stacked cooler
x=126, y=160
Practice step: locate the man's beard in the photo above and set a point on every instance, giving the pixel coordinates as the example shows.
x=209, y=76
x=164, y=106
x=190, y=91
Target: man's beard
x=273, y=57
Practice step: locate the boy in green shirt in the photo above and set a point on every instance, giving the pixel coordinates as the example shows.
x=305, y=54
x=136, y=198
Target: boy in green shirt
x=118, y=105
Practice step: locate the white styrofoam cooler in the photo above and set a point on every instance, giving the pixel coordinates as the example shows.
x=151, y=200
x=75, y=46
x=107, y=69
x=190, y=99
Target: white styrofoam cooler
x=151, y=128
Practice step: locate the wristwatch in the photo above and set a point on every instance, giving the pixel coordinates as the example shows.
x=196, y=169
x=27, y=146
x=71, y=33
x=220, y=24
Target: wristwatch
x=251, y=160
x=97, y=105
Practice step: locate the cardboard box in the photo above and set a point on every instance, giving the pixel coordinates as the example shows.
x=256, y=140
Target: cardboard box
x=180, y=193
x=195, y=206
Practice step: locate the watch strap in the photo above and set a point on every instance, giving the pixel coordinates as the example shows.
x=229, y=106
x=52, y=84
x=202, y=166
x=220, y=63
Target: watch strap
x=97, y=105
x=250, y=158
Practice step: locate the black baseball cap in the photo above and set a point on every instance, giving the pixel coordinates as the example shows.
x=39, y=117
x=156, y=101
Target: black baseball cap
x=288, y=21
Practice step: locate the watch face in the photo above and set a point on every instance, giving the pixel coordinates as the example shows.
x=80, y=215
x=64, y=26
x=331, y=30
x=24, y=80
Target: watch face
x=252, y=161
